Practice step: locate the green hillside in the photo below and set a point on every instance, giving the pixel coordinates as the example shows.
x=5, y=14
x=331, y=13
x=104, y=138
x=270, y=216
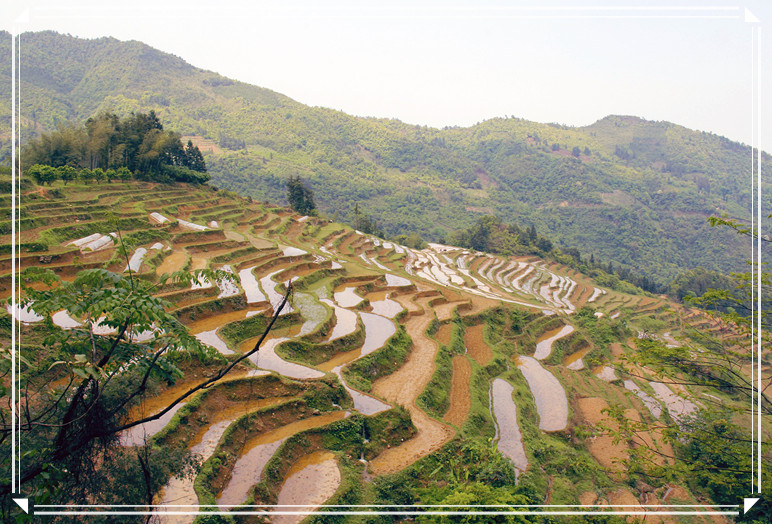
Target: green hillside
x=401, y=373
x=628, y=191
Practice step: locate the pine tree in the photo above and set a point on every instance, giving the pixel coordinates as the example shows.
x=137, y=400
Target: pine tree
x=193, y=158
x=300, y=198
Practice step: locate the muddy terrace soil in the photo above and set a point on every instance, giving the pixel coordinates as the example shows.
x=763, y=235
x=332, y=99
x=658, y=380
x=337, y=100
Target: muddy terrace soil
x=460, y=398
x=256, y=235
x=475, y=344
x=403, y=387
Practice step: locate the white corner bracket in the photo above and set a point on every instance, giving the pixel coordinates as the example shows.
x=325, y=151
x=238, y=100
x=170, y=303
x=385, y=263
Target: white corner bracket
x=24, y=504
x=750, y=18
x=749, y=504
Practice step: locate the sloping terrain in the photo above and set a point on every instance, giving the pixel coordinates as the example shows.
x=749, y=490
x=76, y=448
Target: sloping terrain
x=628, y=191
x=368, y=352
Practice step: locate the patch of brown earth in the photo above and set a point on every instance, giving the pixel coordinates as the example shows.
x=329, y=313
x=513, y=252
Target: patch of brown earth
x=475, y=344
x=443, y=334
x=602, y=446
x=198, y=263
x=616, y=350
x=445, y=311
x=403, y=387
x=654, y=440
x=406, y=301
x=623, y=497
x=588, y=498
x=460, y=398
x=294, y=230
x=480, y=304
x=172, y=263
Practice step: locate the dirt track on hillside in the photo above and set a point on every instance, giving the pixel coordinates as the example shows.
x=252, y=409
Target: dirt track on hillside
x=403, y=387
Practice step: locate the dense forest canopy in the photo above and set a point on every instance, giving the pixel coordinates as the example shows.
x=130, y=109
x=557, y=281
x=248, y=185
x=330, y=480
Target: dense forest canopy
x=629, y=191
x=137, y=143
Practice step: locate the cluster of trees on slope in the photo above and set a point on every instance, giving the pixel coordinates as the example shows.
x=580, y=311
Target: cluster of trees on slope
x=643, y=211
x=107, y=143
x=490, y=234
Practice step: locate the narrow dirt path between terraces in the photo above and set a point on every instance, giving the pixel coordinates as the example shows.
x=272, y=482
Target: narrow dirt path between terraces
x=403, y=387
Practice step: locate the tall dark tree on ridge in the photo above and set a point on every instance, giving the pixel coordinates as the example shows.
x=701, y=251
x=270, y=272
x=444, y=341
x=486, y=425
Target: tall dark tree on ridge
x=300, y=198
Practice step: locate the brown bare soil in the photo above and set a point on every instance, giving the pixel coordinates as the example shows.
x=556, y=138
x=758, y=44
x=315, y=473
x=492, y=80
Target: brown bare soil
x=623, y=497
x=475, y=344
x=406, y=301
x=198, y=263
x=172, y=263
x=445, y=311
x=403, y=387
x=460, y=398
x=602, y=446
x=295, y=230
x=443, y=334
x=479, y=304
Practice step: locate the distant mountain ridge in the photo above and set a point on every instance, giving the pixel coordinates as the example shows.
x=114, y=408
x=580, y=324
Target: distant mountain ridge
x=630, y=191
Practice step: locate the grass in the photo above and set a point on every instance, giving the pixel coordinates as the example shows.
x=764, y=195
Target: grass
x=363, y=372
x=435, y=398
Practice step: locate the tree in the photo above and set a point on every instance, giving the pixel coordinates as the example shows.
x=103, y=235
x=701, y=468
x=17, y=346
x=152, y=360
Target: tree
x=69, y=429
x=67, y=174
x=106, y=142
x=99, y=175
x=301, y=198
x=711, y=448
x=193, y=158
x=43, y=174
x=123, y=174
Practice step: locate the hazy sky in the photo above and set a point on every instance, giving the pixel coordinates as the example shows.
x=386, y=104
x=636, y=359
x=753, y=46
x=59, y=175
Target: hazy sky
x=461, y=62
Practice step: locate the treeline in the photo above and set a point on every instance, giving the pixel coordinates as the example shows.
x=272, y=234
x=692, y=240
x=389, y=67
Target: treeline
x=491, y=235
x=137, y=143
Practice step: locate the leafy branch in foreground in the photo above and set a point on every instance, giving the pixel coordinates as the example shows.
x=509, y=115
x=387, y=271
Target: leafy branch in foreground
x=80, y=383
x=713, y=446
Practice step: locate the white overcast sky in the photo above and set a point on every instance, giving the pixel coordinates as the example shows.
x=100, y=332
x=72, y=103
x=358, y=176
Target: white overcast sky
x=443, y=63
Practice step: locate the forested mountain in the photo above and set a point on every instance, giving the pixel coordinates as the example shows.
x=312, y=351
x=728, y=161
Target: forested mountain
x=626, y=190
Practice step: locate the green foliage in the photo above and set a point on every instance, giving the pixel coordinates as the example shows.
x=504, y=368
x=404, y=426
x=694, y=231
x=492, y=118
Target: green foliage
x=641, y=209
x=361, y=373
x=137, y=143
x=467, y=496
x=73, y=429
x=602, y=331
x=696, y=282
x=300, y=198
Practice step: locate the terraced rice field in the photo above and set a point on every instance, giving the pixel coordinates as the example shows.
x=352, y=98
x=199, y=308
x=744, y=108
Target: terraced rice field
x=354, y=295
